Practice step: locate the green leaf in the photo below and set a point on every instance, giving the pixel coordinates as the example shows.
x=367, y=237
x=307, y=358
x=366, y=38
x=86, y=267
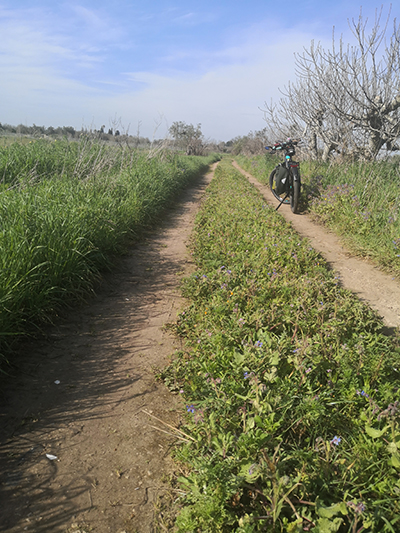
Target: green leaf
x=375, y=433
x=184, y=480
x=395, y=460
x=275, y=359
x=258, y=421
x=332, y=510
x=250, y=423
x=239, y=358
x=324, y=525
x=388, y=524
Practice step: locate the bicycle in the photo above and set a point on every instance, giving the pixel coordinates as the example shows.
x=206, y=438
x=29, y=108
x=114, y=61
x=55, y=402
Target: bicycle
x=290, y=184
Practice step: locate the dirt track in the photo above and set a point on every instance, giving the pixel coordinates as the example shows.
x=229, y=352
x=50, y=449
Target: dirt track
x=110, y=460
x=85, y=388
x=369, y=283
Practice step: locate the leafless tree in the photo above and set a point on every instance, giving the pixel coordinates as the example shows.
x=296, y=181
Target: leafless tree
x=347, y=98
x=251, y=144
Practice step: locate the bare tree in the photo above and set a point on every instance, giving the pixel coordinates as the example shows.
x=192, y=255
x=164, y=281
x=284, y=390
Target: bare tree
x=346, y=99
x=251, y=144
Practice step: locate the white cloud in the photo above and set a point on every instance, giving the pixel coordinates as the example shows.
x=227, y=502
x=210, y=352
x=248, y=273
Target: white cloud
x=226, y=99
x=195, y=18
x=46, y=77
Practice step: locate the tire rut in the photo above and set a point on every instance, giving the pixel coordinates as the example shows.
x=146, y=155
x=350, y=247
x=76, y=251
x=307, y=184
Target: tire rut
x=80, y=449
x=379, y=289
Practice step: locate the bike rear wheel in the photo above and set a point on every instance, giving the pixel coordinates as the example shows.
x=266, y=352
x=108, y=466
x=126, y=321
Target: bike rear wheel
x=272, y=186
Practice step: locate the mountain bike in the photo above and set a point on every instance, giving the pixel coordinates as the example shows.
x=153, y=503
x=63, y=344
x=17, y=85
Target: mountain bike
x=284, y=180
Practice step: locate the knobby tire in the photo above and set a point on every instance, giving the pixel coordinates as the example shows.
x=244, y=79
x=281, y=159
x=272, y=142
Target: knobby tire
x=295, y=196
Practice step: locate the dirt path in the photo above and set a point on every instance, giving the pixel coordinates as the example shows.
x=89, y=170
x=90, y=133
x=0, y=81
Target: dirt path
x=83, y=394
x=369, y=283
x=85, y=388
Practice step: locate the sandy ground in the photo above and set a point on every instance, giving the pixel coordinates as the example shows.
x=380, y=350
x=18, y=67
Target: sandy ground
x=88, y=395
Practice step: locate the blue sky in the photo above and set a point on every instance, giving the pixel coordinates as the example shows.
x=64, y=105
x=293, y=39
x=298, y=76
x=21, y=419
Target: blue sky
x=148, y=64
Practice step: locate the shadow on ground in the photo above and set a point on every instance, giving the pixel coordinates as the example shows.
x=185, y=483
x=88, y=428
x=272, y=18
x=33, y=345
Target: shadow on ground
x=79, y=395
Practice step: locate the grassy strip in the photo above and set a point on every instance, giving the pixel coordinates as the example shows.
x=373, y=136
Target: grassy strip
x=25, y=162
x=60, y=231
x=359, y=201
x=291, y=389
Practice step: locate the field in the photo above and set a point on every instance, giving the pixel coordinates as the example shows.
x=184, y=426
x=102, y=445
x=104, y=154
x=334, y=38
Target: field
x=291, y=388
x=66, y=208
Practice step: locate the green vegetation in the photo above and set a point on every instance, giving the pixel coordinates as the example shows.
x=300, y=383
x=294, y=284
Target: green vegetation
x=359, y=201
x=291, y=389
x=65, y=210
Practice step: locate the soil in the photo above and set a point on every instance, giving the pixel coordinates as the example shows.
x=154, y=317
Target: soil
x=85, y=428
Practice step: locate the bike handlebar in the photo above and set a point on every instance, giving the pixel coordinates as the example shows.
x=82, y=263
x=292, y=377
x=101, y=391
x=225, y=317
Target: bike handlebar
x=282, y=145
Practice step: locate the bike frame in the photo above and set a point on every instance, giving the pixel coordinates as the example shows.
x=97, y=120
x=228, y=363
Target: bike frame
x=294, y=175
x=292, y=166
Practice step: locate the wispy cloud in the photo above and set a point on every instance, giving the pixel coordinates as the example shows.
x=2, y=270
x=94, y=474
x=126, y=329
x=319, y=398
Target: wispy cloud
x=213, y=63
x=226, y=98
x=223, y=89
x=196, y=18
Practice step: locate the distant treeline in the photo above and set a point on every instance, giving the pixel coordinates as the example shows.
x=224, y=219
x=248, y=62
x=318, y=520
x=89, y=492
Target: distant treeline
x=70, y=132
x=251, y=144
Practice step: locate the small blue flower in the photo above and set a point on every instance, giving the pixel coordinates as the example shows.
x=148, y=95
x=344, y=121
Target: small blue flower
x=190, y=408
x=360, y=507
x=335, y=440
x=251, y=470
x=258, y=344
x=245, y=375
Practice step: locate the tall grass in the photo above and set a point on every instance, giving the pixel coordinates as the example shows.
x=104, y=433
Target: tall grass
x=65, y=210
x=291, y=388
x=359, y=201
x=24, y=162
